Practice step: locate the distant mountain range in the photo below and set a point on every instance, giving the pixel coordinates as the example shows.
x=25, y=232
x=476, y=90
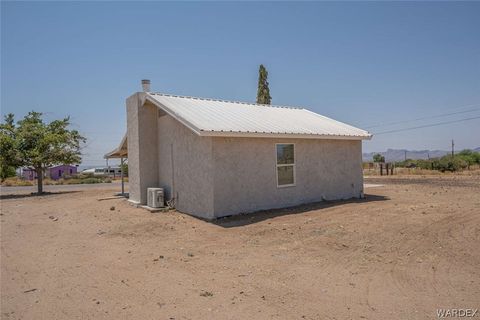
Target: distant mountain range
x=399, y=154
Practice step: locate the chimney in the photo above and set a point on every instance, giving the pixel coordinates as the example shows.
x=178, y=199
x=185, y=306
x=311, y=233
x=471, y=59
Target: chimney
x=146, y=85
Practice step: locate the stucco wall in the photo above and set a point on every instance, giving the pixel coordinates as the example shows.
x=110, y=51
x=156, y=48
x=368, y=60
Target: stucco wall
x=213, y=177
x=142, y=147
x=189, y=179
x=245, y=173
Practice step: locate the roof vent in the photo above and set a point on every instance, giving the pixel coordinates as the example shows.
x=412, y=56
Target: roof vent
x=146, y=85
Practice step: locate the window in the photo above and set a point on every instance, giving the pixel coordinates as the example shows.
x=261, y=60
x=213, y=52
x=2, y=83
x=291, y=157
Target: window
x=285, y=165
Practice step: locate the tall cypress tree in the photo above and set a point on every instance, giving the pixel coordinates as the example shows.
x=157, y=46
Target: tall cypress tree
x=263, y=91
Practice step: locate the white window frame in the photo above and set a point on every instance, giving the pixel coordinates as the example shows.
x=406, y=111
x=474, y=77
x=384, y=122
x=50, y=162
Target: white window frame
x=286, y=165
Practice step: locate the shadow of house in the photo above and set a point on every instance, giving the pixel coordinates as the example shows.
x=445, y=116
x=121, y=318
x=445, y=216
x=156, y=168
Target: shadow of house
x=259, y=216
x=32, y=194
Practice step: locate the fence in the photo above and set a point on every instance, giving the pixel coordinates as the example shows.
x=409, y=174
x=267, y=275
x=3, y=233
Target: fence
x=379, y=168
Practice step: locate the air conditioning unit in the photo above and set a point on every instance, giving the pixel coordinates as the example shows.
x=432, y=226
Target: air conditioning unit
x=155, y=197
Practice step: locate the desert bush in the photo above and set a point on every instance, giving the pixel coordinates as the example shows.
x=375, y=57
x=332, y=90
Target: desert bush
x=377, y=157
x=86, y=179
x=68, y=181
x=7, y=172
x=410, y=163
x=17, y=182
x=462, y=160
x=449, y=163
x=91, y=180
x=471, y=157
x=50, y=182
x=84, y=175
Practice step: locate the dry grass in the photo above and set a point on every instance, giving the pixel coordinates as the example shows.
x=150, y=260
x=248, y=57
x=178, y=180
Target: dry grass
x=19, y=182
x=120, y=179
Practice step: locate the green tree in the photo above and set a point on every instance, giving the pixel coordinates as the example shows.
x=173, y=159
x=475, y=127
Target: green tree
x=263, y=91
x=471, y=157
x=125, y=169
x=9, y=155
x=377, y=157
x=447, y=163
x=7, y=172
x=39, y=145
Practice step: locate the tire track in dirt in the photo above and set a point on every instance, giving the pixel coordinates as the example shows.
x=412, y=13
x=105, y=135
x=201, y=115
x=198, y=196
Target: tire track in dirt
x=409, y=279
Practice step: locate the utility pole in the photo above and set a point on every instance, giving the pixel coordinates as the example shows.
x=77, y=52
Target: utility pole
x=405, y=155
x=453, y=149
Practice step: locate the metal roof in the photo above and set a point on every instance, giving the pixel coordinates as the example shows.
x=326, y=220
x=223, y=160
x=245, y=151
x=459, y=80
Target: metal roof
x=211, y=117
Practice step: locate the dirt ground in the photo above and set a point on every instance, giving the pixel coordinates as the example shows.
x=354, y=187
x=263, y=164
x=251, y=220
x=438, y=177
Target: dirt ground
x=412, y=246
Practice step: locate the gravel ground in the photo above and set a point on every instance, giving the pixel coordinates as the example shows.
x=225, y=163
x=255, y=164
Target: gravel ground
x=403, y=252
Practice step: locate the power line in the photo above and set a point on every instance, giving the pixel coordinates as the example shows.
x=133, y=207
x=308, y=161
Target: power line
x=428, y=125
x=422, y=118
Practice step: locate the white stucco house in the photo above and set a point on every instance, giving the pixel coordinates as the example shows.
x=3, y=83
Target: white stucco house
x=216, y=158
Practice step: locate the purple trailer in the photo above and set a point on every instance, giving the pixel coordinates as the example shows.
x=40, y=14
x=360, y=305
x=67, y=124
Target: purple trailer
x=61, y=171
x=53, y=173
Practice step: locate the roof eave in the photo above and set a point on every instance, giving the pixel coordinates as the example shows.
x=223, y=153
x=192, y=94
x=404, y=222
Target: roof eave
x=232, y=134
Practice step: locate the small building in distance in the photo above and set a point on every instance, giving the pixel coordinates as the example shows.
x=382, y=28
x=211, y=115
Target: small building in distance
x=61, y=171
x=29, y=174
x=53, y=173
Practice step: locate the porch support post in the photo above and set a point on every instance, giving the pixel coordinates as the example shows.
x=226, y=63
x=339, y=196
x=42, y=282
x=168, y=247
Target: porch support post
x=121, y=174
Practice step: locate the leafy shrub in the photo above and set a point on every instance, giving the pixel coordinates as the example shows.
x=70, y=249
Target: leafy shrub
x=449, y=163
x=471, y=157
x=377, y=157
x=460, y=161
x=7, y=172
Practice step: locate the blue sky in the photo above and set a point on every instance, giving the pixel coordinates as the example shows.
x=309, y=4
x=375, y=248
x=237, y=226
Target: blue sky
x=364, y=63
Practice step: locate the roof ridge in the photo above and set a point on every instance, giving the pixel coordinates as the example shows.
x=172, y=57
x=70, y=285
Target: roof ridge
x=223, y=100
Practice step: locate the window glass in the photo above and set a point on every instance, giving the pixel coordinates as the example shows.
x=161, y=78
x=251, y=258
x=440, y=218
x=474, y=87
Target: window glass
x=285, y=154
x=285, y=164
x=285, y=175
